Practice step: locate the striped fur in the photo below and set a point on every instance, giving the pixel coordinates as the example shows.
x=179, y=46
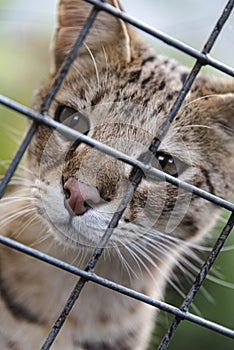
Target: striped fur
x=126, y=92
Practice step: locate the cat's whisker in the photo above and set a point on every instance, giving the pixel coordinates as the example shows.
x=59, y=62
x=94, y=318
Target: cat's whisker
x=136, y=264
x=24, y=169
x=74, y=66
x=221, y=282
x=107, y=64
x=184, y=264
x=228, y=248
x=20, y=180
x=5, y=163
x=199, y=99
x=143, y=251
x=25, y=204
x=157, y=248
x=173, y=246
x=174, y=280
x=94, y=63
x=77, y=259
x=17, y=215
x=140, y=251
x=21, y=169
x=33, y=218
x=180, y=261
x=126, y=265
x=152, y=243
x=178, y=241
x=137, y=252
x=12, y=133
x=154, y=246
x=195, y=126
x=17, y=199
x=21, y=183
x=38, y=242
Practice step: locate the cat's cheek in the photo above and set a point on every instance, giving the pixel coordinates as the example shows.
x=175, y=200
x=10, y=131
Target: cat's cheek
x=52, y=208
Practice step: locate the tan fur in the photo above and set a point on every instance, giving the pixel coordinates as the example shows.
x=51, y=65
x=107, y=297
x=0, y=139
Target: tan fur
x=126, y=92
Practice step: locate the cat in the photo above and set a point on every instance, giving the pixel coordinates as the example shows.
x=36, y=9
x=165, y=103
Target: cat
x=117, y=92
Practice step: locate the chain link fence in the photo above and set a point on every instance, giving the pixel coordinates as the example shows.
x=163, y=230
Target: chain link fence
x=203, y=58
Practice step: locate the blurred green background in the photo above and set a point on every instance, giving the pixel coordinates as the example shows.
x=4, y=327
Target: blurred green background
x=25, y=31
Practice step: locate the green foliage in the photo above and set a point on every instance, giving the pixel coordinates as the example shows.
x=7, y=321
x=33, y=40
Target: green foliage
x=24, y=64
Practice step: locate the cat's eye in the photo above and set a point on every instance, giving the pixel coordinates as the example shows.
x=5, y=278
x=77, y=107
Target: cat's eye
x=73, y=119
x=169, y=164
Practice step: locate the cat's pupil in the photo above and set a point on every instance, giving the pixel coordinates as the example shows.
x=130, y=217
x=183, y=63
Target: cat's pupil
x=165, y=160
x=169, y=164
x=73, y=119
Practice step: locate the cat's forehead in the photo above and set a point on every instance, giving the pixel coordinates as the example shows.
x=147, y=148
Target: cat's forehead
x=111, y=109
x=141, y=94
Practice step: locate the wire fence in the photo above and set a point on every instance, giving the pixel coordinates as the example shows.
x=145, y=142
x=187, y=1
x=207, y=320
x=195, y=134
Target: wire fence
x=139, y=169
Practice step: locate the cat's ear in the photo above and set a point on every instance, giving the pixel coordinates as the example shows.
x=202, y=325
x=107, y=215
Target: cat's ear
x=215, y=96
x=107, y=33
x=222, y=112
x=217, y=111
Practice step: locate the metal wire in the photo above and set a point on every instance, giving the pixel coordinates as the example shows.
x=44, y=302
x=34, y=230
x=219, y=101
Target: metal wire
x=91, y=276
x=198, y=282
x=177, y=44
x=149, y=171
x=48, y=100
x=140, y=169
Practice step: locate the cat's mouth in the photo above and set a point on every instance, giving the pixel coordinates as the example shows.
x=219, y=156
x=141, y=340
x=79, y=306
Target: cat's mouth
x=78, y=223
x=88, y=229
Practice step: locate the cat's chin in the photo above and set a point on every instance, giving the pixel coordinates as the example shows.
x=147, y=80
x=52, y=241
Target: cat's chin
x=84, y=230
x=77, y=231
x=88, y=229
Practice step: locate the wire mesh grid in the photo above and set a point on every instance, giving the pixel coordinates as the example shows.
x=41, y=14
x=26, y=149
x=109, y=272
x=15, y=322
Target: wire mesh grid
x=139, y=169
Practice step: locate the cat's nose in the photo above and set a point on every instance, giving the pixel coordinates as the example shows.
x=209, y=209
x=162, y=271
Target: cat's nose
x=80, y=197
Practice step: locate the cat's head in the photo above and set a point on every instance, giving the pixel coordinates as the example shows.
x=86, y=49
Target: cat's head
x=119, y=93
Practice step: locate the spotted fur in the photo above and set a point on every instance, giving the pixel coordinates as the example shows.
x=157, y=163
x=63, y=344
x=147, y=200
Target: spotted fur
x=126, y=92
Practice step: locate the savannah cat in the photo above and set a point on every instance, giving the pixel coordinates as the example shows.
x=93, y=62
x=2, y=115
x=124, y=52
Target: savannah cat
x=118, y=92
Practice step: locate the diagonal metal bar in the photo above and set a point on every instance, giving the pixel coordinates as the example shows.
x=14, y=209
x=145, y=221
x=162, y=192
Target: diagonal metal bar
x=17, y=158
x=90, y=276
x=149, y=171
x=196, y=69
x=198, y=282
x=206, y=267
x=93, y=261
x=69, y=60
x=48, y=100
x=206, y=59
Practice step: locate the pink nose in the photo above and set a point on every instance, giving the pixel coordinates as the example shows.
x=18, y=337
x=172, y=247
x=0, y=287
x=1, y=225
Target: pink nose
x=80, y=197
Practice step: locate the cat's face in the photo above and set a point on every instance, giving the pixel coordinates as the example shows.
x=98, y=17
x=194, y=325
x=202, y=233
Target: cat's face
x=118, y=93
